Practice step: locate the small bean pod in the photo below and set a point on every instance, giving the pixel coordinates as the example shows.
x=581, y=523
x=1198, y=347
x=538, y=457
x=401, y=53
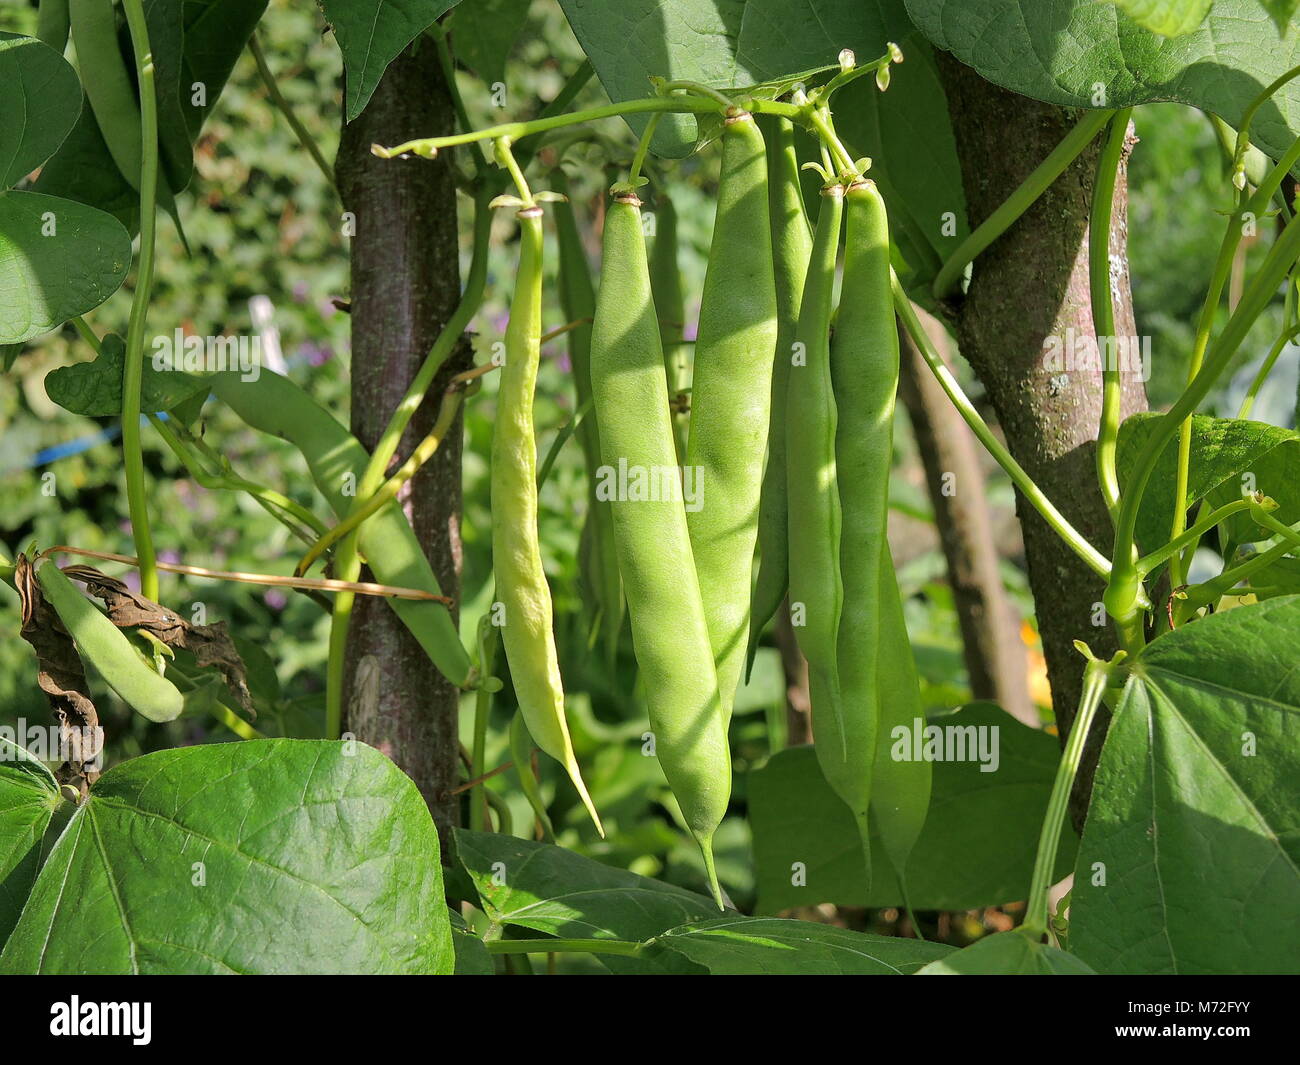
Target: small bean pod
x=791, y=250
x=816, y=588
x=602, y=587
x=669, y=631
x=528, y=633
x=864, y=373
x=108, y=83
x=52, y=24
x=731, y=397
x=107, y=648
x=670, y=303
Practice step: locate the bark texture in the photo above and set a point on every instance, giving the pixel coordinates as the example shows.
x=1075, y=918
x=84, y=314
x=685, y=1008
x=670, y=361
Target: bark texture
x=990, y=628
x=405, y=285
x=1029, y=286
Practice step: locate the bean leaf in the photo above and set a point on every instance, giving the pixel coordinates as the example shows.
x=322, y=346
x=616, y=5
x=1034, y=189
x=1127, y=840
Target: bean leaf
x=29, y=795
x=1190, y=860
x=1080, y=53
x=550, y=889
x=372, y=33
x=770, y=946
x=266, y=856
x=977, y=848
x=58, y=260
x=94, y=389
x=1008, y=954
x=723, y=43
x=1228, y=456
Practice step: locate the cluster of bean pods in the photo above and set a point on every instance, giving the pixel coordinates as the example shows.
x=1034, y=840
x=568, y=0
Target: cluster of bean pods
x=789, y=442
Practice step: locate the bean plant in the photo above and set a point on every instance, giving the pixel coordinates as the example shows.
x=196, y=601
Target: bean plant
x=736, y=477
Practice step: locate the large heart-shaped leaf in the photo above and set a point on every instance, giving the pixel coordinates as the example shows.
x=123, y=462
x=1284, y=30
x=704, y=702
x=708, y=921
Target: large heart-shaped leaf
x=40, y=97
x=1190, y=860
x=195, y=46
x=1007, y=954
x=977, y=848
x=269, y=856
x=1228, y=456
x=769, y=946
x=58, y=259
x=550, y=889
x=1081, y=53
x=372, y=33
x=28, y=798
x=723, y=43
x=94, y=389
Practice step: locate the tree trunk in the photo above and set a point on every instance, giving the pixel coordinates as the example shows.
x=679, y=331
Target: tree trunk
x=1029, y=287
x=990, y=629
x=405, y=285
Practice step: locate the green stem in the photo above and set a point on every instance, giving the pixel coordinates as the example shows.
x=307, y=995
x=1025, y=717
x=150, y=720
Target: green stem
x=1125, y=586
x=295, y=517
x=87, y=334
x=1256, y=206
x=1095, y=678
x=697, y=89
x=642, y=150
x=621, y=947
x=948, y=280
x=824, y=127
x=1095, y=560
x=1243, y=133
x=387, y=492
x=1262, y=517
x=561, y=438
x=513, y=131
x=488, y=636
x=1103, y=307
x=133, y=375
x=470, y=301
x=1216, y=588
x=300, y=131
x=1148, y=563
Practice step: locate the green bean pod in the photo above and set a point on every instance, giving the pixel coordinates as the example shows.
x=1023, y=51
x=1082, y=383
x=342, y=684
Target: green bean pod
x=275, y=405
x=598, y=563
x=816, y=589
x=107, y=648
x=528, y=633
x=669, y=631
x=864, y=373
x=731, y=397
x=108, y=83
x=900, y=799
x=670, y=302
x=791, y=250
x=53, y=25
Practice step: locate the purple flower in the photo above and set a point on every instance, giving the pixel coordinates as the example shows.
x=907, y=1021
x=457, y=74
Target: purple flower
x=275, y=599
